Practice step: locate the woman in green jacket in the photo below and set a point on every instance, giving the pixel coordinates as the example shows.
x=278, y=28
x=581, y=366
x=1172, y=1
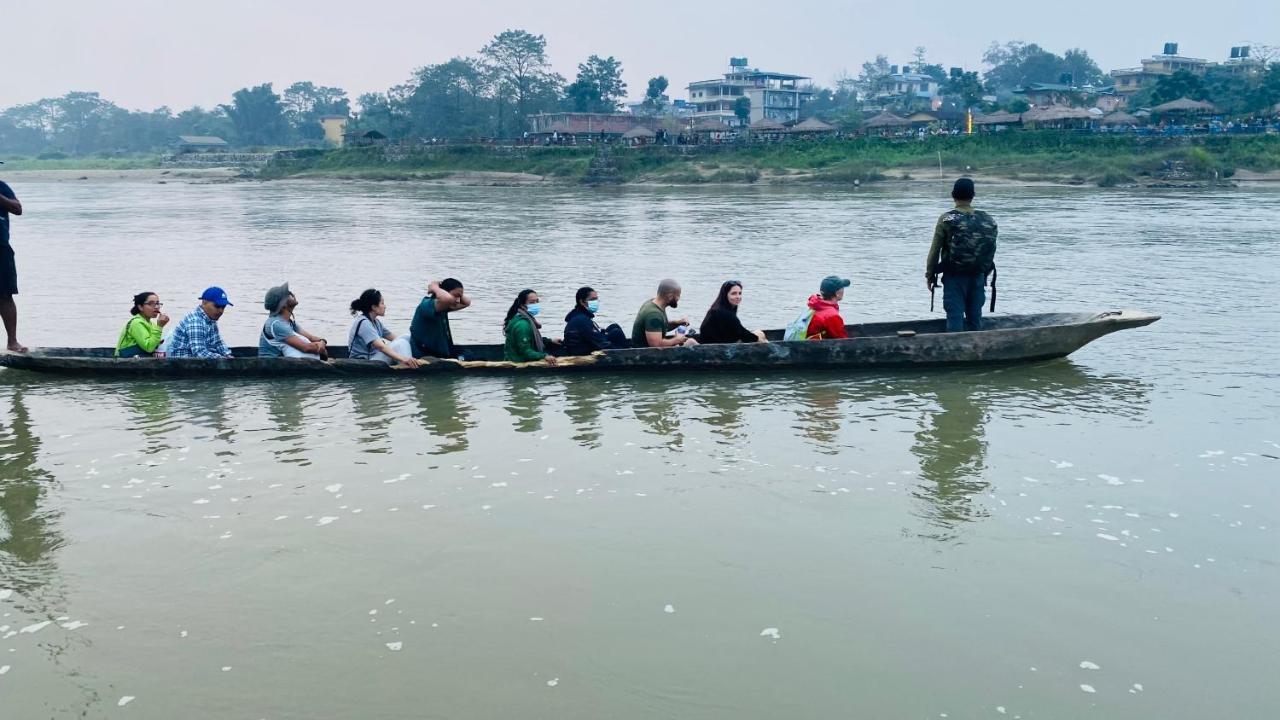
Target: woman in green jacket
x=141, y=336
x=524, y=337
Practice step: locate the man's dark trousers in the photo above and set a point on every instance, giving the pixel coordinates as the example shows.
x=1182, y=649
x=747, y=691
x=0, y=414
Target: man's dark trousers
x=963, y=296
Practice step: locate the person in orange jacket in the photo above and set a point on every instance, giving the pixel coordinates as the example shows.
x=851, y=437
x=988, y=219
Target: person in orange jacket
x=827, y=323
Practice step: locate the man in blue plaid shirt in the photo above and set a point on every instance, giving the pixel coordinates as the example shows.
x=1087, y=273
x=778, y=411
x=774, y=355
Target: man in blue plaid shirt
x=197, y=335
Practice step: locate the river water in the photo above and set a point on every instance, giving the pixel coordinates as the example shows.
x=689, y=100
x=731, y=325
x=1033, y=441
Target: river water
x=1091, y=537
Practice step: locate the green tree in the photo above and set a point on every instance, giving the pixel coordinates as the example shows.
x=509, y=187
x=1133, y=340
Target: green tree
x=1082, y=68
x=450, y=100
x=81, y=118
x=304, y=103
x=598, y=87
x=742, y=109
x=1017, y=105
x=517, y=61
x=655, y=96
x=257, y=116
x=1178, y=85
x=966, y=89
x=1018, y=64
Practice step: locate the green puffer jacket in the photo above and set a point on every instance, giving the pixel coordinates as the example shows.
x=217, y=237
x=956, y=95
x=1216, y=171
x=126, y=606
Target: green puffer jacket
x=520, y=345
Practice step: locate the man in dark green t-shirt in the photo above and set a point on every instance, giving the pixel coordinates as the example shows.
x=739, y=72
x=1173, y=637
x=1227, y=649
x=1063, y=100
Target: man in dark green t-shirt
x=429, y=333
x=652, y=325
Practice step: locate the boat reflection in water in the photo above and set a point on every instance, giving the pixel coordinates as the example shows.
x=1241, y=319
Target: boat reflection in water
x=951, y=442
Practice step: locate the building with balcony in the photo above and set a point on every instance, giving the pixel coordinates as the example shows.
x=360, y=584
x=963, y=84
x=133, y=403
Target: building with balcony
x=1131, y=80
x=773, y=96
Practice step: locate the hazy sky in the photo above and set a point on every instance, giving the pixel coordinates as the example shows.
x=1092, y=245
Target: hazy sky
x=147, y=53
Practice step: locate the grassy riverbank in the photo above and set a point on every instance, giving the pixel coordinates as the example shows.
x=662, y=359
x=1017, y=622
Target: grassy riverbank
x=1023, y=156
x=1052, y=157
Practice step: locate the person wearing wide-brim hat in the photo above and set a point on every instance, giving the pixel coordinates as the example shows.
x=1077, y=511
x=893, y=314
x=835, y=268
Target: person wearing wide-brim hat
x=281, y=336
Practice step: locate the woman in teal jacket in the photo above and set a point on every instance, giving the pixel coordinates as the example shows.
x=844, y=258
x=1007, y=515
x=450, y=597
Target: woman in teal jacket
x=524, y=337
x=141, y=336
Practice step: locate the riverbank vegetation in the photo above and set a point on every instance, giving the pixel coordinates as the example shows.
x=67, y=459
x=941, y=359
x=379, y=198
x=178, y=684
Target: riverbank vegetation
x=1049, y=156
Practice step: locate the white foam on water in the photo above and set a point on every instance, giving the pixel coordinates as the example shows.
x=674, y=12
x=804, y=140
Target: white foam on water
x=215, y=487
x=74, y=625
x=395, y=646
x=1105, y=536
x=550, y=470
x=1088, y=688
x=34, y=628
x=1062, y=464
x=486, y=507
x=535, y=619
x=336, y=487
x=1173, y=515
x=225, y=536
x=553, y=682
x=281, y=517
x=125, y=700
x=5, y=593
x=183, y=633
x=1137, y=686
x=427, y=507
x=373, y=612
x=326, y=520
x=1087, y=665
x=498, y=484
x=4, y=669
x=1000, y=709
x=669, y=609
x=771, y=632
x=226, y=668
x=200, y=501
x=389, y=601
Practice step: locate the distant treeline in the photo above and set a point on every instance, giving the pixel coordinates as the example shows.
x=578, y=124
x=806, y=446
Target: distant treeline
x=490, y=95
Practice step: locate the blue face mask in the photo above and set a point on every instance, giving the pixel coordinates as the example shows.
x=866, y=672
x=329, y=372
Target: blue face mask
x=593, y=306
x=533, y=309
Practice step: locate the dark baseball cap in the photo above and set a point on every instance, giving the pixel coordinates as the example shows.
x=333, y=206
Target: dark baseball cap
x=216, y=295
x=831, y=284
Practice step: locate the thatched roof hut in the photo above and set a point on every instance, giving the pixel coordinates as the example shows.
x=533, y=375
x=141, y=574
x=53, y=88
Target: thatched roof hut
x=1186, y=105
x=886, y=120
x=766, y=125
x=812, y=125
x=639, y=132
x=1121, y=117
x=997, y=118
x=1056, y=113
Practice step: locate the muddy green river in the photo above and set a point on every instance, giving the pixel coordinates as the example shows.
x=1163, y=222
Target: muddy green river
x=1091, y=537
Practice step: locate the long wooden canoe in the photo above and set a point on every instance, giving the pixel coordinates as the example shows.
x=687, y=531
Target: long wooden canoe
x=912, y=343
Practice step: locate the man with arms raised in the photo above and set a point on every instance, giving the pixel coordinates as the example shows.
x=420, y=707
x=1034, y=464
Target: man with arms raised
x=429, y=333
x=651, y=325
x=8, y=269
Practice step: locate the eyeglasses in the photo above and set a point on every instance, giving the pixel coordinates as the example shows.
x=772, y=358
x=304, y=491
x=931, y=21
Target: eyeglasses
x=157, y=304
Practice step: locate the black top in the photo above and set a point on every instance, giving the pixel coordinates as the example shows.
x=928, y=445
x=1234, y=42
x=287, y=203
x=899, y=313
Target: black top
x=581, y=334
x=723, y=326
x=4, y=214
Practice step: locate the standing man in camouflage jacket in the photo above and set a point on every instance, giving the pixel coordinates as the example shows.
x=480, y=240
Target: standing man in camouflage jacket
x=963, y=250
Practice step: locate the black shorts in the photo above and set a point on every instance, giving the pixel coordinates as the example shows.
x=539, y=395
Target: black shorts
x=8, y=271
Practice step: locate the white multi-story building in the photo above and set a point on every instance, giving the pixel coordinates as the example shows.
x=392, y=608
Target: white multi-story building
x=776, y=96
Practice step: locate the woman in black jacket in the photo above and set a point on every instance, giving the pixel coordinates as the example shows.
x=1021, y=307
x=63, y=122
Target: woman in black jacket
x=582, y=336
x=721, y=325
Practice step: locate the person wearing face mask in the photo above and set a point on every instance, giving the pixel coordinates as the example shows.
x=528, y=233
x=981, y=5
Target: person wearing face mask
x=281, y=336
x=524, y=332
x=582, y=336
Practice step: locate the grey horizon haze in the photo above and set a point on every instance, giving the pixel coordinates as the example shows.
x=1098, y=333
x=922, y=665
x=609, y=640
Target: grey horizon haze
x=143, y=54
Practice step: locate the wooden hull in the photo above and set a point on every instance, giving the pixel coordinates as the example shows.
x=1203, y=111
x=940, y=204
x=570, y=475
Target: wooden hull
x=1003, y=339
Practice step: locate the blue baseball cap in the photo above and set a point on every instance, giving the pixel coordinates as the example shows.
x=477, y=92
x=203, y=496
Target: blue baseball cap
x=216, y=295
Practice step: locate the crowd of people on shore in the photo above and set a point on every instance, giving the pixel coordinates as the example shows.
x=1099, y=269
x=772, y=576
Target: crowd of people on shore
x=962, y=252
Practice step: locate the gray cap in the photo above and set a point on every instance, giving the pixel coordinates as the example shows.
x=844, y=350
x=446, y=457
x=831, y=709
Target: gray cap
x=831, y=284
x=276, y=298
